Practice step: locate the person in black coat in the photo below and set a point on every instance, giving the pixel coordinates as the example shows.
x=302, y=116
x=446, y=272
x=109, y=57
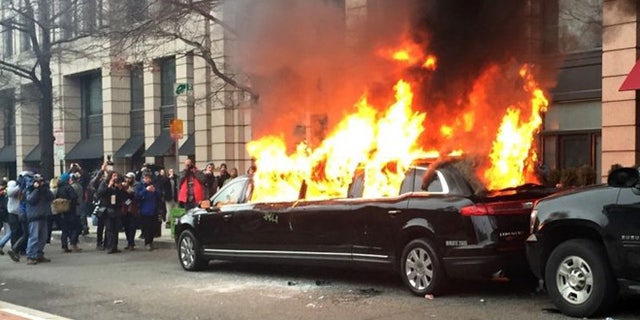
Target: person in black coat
x=69, y=221
x=112, y=198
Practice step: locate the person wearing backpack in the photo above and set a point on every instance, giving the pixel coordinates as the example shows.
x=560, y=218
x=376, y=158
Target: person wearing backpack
x=69, y=219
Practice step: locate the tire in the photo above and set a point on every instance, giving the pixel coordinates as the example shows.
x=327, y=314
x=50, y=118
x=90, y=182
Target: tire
x=420, y=268
x=189, y=252
x=579, y=279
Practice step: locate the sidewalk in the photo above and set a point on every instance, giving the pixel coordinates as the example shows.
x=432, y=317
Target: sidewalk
x=163, y=242
x=10, y=311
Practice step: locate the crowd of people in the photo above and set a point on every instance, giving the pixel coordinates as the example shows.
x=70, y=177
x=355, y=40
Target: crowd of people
x=31, y=206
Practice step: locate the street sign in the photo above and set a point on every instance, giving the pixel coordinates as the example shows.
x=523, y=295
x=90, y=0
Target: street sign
x=183, y=88
x=58, y=151
x=58, y=135
x=176, y=129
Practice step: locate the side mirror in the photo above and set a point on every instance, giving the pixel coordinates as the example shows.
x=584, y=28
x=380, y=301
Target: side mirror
x=623, y=178
x=205, y=204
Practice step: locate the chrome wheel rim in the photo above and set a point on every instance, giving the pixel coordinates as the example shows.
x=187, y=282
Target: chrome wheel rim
x=187, y=252
x=418, y=268
x=574, y=280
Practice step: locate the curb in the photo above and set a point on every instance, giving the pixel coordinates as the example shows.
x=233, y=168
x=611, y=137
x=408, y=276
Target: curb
x=15, y=312
x=158, y=243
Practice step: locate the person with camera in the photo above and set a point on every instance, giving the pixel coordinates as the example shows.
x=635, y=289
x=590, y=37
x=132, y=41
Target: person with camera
x=69, y=220
x=149, y=199
x=39, y=198
x=92, y=193
x=112, y=198
x=191, y=186
x=130, y=210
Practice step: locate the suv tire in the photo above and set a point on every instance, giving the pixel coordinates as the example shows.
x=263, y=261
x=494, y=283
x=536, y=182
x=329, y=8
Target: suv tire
x=579, y=279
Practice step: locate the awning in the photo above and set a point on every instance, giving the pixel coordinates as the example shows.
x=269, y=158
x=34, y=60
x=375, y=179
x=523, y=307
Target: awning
x=161, y=146
x=34, y=155
x=8, y=153
x=632, y=82
x=134, y=145
x=189, y=147
x=91, y=148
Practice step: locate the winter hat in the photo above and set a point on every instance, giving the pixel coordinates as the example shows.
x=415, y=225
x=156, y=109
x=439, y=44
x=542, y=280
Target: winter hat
x=64, y=177
x=131, y=175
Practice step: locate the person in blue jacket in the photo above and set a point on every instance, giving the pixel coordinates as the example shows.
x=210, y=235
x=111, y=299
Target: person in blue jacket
x=148, y=199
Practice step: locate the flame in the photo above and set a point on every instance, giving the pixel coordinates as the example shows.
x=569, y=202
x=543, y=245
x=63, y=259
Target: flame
x=430, y=63
x=383, y=141
x=513, y=156
x=383, y=144
x=402, y=55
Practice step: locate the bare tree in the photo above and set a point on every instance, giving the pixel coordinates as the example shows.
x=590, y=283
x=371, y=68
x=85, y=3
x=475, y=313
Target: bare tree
x=190, y=22
x=47, y=28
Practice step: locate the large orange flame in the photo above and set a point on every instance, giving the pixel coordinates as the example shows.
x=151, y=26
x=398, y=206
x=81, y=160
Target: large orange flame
x=383, y=141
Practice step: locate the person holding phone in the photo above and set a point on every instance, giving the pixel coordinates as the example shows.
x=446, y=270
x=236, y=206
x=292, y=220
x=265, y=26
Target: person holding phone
x=112, y=197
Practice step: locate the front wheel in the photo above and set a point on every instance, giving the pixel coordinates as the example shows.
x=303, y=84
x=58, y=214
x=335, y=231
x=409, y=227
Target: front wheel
x=579, y=279
x=420, y=268
x=188, y=247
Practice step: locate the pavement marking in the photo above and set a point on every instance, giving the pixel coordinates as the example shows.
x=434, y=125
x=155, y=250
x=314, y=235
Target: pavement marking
x=10, y=311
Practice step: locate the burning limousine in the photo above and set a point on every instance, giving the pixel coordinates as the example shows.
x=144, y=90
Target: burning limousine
x=438, y=226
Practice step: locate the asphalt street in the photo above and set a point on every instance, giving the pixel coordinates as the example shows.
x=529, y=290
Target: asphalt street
x=152, y=285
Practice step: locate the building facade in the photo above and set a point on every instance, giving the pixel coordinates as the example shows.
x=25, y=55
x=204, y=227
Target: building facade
x=120, y=106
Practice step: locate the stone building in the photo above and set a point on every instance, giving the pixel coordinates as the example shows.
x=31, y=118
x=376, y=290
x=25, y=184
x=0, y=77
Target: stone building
x=120, y=106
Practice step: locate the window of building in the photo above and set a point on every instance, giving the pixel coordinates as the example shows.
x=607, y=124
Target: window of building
x=7, y=102
x=571, y=26
x=137, y=100
x=167, y=84
x=572, y=135
x=91, y=95
x=7, y=37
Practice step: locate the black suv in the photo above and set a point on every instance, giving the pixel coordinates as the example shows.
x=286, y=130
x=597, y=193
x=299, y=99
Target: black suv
x=585, y=244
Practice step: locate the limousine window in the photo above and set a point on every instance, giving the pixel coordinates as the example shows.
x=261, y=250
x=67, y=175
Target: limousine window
x=230, y=194
x=435, y=182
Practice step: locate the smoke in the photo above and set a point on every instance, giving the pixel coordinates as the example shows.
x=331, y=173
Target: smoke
x=301, y=59
x=310, y=62
x=468, y=36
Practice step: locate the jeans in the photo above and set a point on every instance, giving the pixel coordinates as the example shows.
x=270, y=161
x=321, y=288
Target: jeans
x=19, y=233
x=149, y=226
x=7, y=235
x=38, y=232
x=112, y=228
x=71, y=228
x=100, y=241
x=50, y=221
x=130, y=223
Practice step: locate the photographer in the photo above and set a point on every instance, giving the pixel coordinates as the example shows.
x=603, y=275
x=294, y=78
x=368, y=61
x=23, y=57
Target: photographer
x=112, y=197
x=39, y=199
x=191, y=190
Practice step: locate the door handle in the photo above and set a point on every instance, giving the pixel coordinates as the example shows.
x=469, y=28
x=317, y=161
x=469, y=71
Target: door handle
x=227, y=217
x=393, y=212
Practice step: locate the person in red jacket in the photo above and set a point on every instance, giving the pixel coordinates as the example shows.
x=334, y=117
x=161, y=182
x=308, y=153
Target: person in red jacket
x=191, y=190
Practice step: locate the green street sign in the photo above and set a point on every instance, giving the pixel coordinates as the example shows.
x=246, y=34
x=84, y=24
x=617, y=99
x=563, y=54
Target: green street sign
x=183, y=88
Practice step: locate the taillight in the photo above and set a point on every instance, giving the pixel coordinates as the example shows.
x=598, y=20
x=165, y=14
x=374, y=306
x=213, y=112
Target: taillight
x=497, y=208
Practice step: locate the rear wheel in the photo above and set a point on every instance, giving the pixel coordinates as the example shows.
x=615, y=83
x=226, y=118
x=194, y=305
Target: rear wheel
x=188, y=252
x=579, y=279
x=420, y=269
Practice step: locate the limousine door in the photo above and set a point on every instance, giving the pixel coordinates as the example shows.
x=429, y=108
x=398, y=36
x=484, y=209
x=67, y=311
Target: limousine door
x=323, y=230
